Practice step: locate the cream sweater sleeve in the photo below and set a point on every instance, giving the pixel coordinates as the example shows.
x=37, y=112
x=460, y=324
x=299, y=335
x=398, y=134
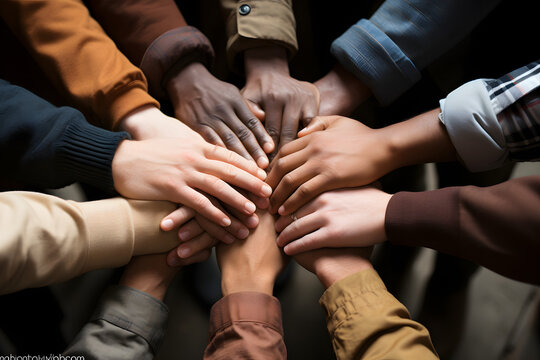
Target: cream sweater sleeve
x=45, y=239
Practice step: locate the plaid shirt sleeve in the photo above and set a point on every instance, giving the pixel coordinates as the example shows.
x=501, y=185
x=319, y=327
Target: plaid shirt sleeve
x=491, y=121
x=516, y=100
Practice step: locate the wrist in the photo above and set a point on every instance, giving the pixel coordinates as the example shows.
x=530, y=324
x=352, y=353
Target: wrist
x=140, y=122
x=190, y=74
x=239, y=282
x=153, y=286
x=272, y=59
x=331, y=270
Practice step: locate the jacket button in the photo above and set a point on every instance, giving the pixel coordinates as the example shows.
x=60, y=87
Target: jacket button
x=244, y=9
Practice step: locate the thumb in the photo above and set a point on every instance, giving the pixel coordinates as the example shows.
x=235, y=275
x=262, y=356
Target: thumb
x=318, y=123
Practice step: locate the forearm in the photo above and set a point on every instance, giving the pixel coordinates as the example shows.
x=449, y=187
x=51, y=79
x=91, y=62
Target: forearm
x=270, y=58
x=365, y=321
x=496, y=227
x=73, y=237
x=78, y=57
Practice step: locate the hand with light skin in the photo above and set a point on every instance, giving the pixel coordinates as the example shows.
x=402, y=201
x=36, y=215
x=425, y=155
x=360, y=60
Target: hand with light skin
x=218, y=112
x=252, y=264
x=332, y=265
x=273, y=94
x=169, y=161
x=341, y=92
x=152, y=275
x=336, y=219
x=335, y=152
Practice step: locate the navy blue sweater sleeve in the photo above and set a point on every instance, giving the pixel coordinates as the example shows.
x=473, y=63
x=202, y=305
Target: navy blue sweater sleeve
x=47, y=146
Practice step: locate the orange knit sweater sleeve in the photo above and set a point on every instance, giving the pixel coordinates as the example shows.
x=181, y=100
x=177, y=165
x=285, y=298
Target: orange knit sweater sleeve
x=79, y=58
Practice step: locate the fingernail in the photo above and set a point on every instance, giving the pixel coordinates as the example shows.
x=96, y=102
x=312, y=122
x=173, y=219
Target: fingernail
x=167, y=224
x=228, y=239
x=268, y=147
x=184, y=252
x=261, y=174
x=225, y=222
x=243, y=233
x=266, y=190
x=281, y=210
x=174, y=262
x=250, y=207
x=252, y=221
x=262, y=162
x=183, y=235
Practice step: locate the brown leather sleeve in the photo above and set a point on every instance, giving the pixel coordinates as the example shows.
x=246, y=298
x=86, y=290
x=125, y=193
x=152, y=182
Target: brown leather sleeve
x=497, y=227
x=246, y=325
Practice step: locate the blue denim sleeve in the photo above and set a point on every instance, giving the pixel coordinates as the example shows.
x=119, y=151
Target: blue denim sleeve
x=388, y=51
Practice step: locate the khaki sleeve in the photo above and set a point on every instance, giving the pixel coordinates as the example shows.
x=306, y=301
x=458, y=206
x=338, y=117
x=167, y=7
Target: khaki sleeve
x=252, y=24
x=79, y=58
x=45, y=239
x=366, y=322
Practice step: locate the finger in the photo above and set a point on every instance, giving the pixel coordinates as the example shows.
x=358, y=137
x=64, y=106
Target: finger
x=262, y=203
x=274, y=114
x=210, y=135
x=306, y=192
x=221, y=190
x=227, y=235
x=318, y=123
x=250, y=221
x=176, y=218
x=235, y=177
x=284, y=165
x=193, y=246
x=232, y=158
x=289, y=124
x=290, y=183
x=283, y=221
x=292, y=147
x=309, y=242
x=189, y=230
x=238, y=226
x=229, y=136
x=299, y=228
x=255, y=109
x=257, y=129
x=175, y=261
x=202, y=205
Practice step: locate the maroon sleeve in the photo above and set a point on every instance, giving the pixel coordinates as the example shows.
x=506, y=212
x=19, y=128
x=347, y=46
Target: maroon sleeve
x=246, y=325
x=153, y=35
x=497, y=227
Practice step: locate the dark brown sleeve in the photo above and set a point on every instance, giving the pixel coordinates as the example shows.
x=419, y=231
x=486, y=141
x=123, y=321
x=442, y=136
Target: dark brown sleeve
x=497, y=227
x=246, y=325
x=153, y=35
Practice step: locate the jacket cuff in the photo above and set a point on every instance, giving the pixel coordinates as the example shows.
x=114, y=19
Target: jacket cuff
x=429, y=219
x=472, y=125
x=134, y=311
x=376, y=60
x=171, y=52
x=86, y=153
x=133, y=98
x=268, y=22
x=349, y=295
x=246, y=306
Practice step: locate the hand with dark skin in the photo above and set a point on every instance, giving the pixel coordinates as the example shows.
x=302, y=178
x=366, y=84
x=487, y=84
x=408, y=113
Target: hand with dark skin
x=275, y=95
x=218, y=112
x=341, y=92
x=335, y=152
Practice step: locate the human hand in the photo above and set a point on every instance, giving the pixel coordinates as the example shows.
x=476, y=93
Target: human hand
x=169, y=161
x=341, y=92
x=252, y=264
x=151, y=274
x=339, y=218
x=331, y=265
x=344, y=154
x=217, y=111
x=284, y=100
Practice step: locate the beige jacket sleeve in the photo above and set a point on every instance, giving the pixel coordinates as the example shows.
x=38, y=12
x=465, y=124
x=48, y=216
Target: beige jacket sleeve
x=366, y=322
x=79, y=58
x=45, y=239
x=257, y=23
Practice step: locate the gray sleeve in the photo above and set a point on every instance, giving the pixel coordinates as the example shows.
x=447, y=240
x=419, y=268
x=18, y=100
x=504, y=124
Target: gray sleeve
x=472, y=125
x=128, y=324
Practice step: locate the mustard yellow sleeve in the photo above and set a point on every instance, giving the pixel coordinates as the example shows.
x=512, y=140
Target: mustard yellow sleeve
x=79, y=58
x=258, y=23
x=366, y=322
x=45, y=239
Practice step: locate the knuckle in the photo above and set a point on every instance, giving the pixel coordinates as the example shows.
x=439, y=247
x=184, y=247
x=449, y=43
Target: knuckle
x=288, y=133
x=243, y=133
x=229, y=138
x=252, y=123
x=272, y=131
x=289, y=180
